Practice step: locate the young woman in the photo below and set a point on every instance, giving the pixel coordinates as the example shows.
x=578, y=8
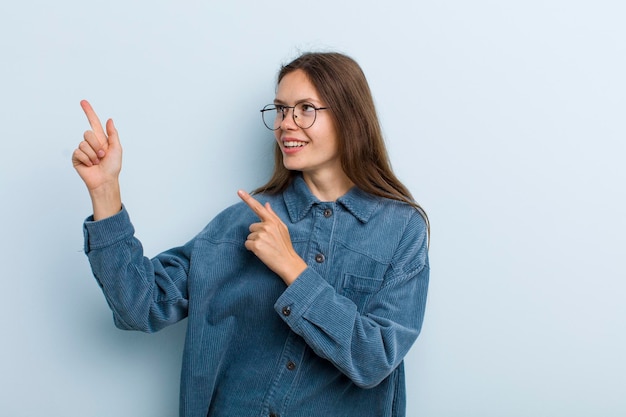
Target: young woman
x=302, y=300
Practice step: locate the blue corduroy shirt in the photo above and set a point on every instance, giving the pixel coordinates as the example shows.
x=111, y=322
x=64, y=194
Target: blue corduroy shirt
x=330, y=344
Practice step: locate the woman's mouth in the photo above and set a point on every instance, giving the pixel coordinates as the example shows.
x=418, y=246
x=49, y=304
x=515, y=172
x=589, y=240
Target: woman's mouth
x=292, y=144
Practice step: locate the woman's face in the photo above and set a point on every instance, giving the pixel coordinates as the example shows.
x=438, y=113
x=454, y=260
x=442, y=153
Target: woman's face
x=313, y=151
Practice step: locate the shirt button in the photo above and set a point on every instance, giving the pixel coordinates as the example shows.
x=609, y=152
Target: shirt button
x=328, y=213
x=319, y=258
x=291, y=366
x=273, y=415
x=286, y=311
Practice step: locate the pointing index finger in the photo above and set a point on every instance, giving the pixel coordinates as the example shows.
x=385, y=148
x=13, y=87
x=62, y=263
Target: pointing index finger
x=257, y=207
x=94, y=121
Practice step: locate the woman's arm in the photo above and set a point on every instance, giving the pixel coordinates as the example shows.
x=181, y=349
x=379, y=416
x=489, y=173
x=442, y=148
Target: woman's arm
x=98, y=161
x=144, y=294
x=365, y=346
x=368, y=344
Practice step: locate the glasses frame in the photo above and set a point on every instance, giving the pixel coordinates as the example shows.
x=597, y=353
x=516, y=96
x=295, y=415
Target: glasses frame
x=284, y=110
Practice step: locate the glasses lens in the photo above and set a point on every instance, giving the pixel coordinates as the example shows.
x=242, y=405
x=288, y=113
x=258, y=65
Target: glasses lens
x=271, y=117
x=304, y=115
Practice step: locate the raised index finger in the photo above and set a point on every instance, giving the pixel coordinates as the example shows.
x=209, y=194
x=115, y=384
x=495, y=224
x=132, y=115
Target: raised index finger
x=94, y=121
x=257, y=207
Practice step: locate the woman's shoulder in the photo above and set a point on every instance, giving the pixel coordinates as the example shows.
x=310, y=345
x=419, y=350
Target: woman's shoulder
x=393, y=210
x=410, y=212
x=400, y=218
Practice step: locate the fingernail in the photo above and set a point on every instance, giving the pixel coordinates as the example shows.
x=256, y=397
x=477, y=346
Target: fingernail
x=100, y=153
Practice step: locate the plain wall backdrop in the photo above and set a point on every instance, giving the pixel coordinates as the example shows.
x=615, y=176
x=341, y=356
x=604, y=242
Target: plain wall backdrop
x=504, y=118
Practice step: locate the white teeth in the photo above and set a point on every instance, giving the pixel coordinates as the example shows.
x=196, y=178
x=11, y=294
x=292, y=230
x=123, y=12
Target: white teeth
x=293, y=144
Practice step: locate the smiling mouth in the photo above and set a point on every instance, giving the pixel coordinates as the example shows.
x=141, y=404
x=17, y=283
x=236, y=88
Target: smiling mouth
x=291, y=144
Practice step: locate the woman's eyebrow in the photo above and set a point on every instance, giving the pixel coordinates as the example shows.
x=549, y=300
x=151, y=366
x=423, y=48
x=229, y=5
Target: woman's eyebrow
x=303, y=100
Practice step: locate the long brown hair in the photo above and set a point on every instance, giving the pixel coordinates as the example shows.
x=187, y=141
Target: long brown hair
x=342, y=86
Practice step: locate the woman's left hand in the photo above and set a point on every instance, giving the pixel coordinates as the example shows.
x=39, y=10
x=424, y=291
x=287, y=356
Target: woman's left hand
x=269, y=240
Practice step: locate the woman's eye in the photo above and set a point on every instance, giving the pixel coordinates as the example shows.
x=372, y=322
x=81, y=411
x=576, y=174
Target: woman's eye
x=306, y=107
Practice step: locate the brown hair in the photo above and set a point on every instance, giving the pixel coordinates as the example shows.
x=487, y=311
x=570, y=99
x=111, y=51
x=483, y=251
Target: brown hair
x=342, y=86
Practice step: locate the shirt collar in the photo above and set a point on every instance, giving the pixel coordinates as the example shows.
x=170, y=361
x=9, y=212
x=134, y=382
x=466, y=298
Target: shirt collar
x=299, y=200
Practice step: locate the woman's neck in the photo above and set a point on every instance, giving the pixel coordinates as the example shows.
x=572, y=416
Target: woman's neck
x=328, y=187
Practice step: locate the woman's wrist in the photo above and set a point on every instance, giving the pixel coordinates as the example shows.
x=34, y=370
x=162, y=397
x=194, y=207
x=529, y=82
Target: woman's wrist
x=106, y=201
x=294, y=271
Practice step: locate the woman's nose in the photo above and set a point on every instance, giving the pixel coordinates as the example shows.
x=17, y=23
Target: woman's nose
x=288, y=123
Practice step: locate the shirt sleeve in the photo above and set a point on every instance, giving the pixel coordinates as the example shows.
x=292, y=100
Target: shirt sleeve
x=143, y=294
x=365, y=346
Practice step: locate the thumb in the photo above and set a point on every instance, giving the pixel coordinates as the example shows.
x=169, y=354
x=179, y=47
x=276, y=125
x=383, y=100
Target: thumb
x=114, y=139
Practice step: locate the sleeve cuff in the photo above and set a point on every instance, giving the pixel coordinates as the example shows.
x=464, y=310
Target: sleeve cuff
x=299, y=296
x=105, y=232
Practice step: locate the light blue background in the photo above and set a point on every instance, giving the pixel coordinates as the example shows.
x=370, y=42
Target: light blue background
x=505, y=119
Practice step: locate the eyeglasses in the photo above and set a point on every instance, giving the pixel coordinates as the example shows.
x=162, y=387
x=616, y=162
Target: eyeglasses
x=304, y=115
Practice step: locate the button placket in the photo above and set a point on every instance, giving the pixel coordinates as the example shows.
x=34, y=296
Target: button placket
x=324, y=219
x=286, y=373
x=318, y=247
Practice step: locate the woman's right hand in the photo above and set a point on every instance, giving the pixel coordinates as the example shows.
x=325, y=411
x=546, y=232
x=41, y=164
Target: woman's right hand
x=98, y=161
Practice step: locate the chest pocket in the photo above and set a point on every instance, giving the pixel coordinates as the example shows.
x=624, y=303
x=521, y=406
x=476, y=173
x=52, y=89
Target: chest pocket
x=360, y=289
